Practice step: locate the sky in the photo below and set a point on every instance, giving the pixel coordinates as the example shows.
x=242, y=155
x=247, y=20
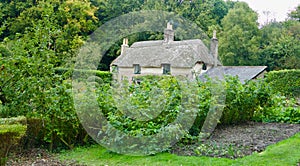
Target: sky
x=278, y=9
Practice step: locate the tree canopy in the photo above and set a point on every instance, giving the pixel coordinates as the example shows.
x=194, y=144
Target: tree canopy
x=64, y=25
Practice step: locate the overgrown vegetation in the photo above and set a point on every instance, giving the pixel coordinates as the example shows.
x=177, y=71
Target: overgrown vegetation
x=39, y=40
x=287, y=82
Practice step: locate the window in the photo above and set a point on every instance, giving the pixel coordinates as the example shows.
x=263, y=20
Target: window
x=204, y=67
x=137, y=69
x=114, y=69
x=166, y=68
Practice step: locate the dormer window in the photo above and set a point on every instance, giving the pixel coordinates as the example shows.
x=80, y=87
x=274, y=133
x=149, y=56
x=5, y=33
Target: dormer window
x=166, y=68
x=137, y=69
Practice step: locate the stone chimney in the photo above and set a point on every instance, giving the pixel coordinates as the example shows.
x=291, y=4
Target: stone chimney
x=214, y=48
x=124, y=45
x=169, y=33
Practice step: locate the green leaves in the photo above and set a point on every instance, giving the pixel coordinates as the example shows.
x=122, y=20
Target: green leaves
x=141, y=108
x=238, y=41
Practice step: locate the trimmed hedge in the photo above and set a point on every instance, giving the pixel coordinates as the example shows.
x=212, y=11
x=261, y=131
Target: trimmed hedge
x=11, y=131
x=14, y=120
x=105, y=76
x=286, y=82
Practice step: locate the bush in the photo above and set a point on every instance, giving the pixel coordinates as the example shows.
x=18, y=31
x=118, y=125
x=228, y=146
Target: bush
x=286, y=82
x=15, y=120
x=242, y=100
x=137, y=110
x=278, y=109
x=103, y=76
x=11, y=131
x=139, y=101
x=47, y=100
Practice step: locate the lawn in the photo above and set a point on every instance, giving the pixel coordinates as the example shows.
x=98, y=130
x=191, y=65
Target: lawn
x=286, y=152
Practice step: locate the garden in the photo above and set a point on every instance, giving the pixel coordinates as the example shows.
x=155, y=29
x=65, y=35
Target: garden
x=48, y=118
x=258, y=117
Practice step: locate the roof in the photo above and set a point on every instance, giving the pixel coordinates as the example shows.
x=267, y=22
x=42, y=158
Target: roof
x=244, y=73
x=154, y=53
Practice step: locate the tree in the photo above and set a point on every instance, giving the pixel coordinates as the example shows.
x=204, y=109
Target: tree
x=239, y=39
x=280, y=45
x=295, y=15
x=38, y=40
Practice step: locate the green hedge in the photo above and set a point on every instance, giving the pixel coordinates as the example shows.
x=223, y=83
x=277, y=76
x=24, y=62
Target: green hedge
x=285, y=81
x=11, y=131
x=105, y=76
x=14, y=120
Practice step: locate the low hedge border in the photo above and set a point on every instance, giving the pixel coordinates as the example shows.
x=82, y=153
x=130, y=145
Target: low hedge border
x=11, y=131
x=68, y=73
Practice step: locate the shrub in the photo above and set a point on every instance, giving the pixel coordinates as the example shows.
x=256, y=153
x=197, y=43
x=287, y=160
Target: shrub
x=101, y=76
x=242, y=100
x=11, y=131
x=153, y=95
x=47, y=100
x=15, y=120
x=137, y=110
x=278, y=109
x=286, y=82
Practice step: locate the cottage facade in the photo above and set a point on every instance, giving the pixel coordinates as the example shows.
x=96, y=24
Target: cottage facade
x=187, y=58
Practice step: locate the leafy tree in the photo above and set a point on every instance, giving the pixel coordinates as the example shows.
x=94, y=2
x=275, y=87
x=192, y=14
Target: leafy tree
x=295, y=14
x=279, y=46
x=42, y=37
x=9, y=10
x=239, y=39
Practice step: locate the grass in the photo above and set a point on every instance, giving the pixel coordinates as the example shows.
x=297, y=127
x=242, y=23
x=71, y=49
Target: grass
x=284, y=153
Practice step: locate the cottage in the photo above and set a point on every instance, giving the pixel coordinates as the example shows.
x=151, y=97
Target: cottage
x=189, y=58
x=165, y=57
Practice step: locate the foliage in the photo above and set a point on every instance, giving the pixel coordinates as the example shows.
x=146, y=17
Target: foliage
x=286, y=82
x=100, y=76
x=279, y=45
x=216, y=149
x=279, y=109
x=11, y=131
x=239, y=39
x=39, y=40
x=36, y=40
x=154, y=102
x=295, y=14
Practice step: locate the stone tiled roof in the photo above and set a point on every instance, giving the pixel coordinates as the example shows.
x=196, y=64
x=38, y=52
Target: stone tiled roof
x=154, y=53
x=244, y=73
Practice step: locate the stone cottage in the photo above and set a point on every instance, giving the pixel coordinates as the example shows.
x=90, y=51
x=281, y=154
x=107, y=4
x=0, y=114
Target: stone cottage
x=189, y=58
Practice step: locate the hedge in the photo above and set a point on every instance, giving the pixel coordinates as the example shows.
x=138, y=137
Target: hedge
x=14, y=120
x=11, y=131
x=105, y=76
x=286, y=82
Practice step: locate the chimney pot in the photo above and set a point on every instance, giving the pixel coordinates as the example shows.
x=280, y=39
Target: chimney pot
x=169, y=33
x=214, y=48
x=124, y=45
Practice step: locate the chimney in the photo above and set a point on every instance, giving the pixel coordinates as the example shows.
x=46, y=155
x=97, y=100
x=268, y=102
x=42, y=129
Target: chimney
x=124, y=45
x=169, y=33
x=214, y=48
